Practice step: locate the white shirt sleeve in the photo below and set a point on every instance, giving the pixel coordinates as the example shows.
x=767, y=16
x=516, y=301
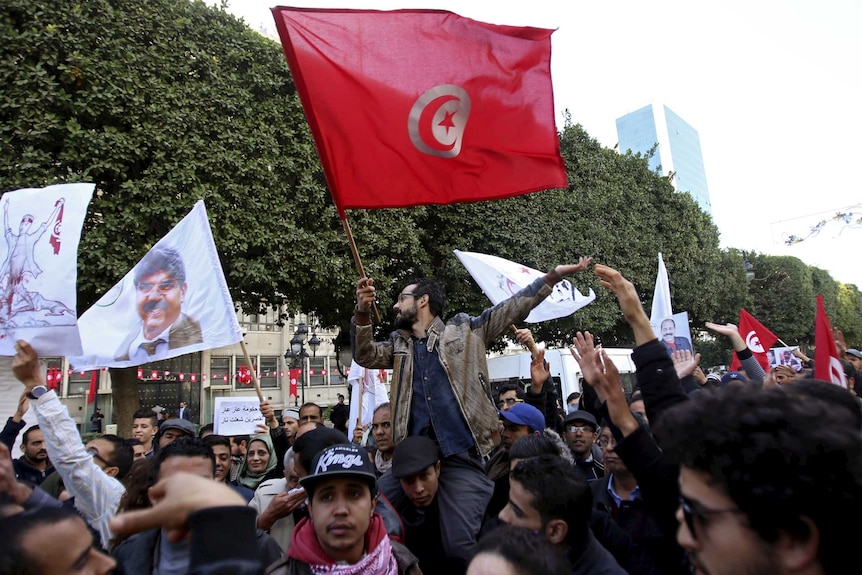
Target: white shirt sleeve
x=97, y=495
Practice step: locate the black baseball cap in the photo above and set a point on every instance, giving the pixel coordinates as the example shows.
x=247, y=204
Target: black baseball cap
x=583, y=416
x=341, y=460
x=413, y=455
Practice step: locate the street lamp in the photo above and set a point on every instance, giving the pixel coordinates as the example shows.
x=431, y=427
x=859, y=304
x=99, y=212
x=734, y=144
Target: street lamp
x=296, y=355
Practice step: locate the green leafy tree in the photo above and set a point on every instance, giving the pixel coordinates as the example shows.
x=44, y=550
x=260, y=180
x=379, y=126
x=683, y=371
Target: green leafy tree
x=161, y=104
x=783, y=297
x=848, y=315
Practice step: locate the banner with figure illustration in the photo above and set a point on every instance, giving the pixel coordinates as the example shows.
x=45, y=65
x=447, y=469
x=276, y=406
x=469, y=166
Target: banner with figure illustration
x=39, y=273
x=500, y=279
x=173, y=302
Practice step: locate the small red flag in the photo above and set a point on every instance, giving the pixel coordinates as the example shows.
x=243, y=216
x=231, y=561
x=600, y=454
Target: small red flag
x=758, y=339
x=295, y=374
x=827, y=364
x=55, y=231
x=94, y=378
x=414, y=107
x=244, y=376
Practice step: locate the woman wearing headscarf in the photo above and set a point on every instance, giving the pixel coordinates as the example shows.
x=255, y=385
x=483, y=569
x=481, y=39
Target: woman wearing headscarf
x=260, y=462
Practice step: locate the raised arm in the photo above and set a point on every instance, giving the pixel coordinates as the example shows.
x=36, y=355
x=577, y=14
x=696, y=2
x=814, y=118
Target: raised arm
x=752, y=367
x=97, y=494
x=558, y=273
x=630, y=303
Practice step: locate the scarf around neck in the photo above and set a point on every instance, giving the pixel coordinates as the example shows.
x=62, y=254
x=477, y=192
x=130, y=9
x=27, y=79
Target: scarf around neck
x=378, y=559
x=382, y=465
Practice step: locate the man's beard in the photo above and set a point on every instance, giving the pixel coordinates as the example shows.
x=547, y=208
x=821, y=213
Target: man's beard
x=405, y=319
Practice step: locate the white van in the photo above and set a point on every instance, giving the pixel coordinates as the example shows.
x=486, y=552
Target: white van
x=565, y=370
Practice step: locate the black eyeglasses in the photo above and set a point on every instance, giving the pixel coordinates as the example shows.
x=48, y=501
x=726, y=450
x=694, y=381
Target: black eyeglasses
x=404, y=295
x=692, y=509
x=95, y=455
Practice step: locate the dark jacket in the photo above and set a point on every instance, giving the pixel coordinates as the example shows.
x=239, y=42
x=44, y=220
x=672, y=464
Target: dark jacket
x=339, y=415
x=546, y=402
x=635, y=518
x=590, y=558
x=23, y=470
x=137, y=554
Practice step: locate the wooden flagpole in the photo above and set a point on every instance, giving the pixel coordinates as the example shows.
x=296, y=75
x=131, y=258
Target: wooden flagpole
x=252, y=369
x=358, y=261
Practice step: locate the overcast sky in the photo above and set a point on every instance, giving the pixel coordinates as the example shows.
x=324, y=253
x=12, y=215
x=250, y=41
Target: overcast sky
x=772, y=87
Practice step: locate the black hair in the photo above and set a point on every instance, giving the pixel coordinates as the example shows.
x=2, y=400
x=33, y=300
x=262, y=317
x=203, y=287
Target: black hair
x=528, y=552
x=14, y=560
x=781, y=460
x=533, y=445
x=237, y=439
x=25, y=439
x=122, y=454
x=161, y=259
x=435, y=293
x=572, y=396
x=132, y=441
x=184, y=447
x=560, y=491
x=834, y=394
x=213, y=440
x=209, y=427
x=511, y=386
x=313, y=442
x=146, y=412
x=311, y=404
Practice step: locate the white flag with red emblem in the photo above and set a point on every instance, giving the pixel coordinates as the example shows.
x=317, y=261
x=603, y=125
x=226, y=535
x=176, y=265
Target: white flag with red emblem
x=500, y=279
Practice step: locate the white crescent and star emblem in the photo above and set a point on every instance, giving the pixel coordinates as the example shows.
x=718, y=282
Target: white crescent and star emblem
x=836, y=372
x=437, y=121
x=753, y=342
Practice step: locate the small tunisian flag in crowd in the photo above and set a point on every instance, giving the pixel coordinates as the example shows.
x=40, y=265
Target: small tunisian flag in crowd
x=757, y=338
x=827, y=364
x=295, y=374
x=413, y=107
x=94, y=381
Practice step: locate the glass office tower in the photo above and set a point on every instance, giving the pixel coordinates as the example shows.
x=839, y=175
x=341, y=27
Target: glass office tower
x=678, y=148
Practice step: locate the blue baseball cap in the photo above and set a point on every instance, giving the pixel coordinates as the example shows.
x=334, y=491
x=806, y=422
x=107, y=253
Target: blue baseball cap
x=525, y=414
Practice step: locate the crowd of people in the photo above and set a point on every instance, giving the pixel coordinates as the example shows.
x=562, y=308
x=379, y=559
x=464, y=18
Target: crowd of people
x=750, y=471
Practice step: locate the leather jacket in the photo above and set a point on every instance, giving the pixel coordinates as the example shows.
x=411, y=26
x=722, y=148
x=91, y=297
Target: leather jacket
x=461, y=346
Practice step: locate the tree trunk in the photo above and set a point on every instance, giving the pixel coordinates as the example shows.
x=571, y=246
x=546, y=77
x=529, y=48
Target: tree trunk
x=124, y=386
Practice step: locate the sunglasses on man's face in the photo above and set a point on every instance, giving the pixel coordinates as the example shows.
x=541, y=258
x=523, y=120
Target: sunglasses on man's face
x=692, y=510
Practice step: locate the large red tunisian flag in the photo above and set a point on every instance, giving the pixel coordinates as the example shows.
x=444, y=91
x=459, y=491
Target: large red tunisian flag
x=758, y=339
x=413, y=107
x=827, y=364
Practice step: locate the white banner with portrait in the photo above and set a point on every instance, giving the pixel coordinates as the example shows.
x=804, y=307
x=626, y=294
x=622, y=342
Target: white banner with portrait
x=173, y=302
